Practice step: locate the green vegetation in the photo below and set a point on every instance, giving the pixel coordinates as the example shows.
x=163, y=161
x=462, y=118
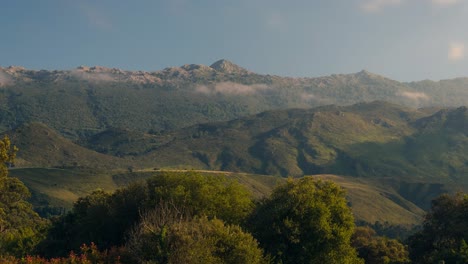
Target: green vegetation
x=168, y=219
x=372, y=140
x=444, y=233
x=187, y=217
x=306, y=221
x=168, y=235
x=20, y=227
x=378, y=250
x=111, y=162
x=103, y=218
x=55, y=190
x=80, y=102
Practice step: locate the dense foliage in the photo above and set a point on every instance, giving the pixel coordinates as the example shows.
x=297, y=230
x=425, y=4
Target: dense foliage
x=20, y=227
x=104, y=218
x=377, y=249
x=306, y=221
x=444, y=233
x=169, y=235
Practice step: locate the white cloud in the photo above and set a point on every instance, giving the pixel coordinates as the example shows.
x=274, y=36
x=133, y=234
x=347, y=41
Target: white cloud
x=231, y=88
x=93, y=77
x=308, y=96
x=456, y=51
x=372, y=6
x=445, y=2
x=416, y=96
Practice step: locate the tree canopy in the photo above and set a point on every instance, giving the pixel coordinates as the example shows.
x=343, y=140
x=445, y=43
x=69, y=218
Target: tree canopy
x=445, y=232
x=20, y=227
x=306, y=221
x=105, y=218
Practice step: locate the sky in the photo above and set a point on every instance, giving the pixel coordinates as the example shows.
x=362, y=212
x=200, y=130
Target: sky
x=406, y=40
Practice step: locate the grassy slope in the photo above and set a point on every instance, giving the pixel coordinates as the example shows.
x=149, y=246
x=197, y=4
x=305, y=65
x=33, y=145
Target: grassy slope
x=373, y=202
x=62, y=187
x=370, y=202
x=40, y=146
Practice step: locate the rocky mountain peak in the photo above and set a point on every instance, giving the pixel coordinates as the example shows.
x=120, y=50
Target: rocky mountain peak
x=227, y=67
x=193, y=67
x=364, y=74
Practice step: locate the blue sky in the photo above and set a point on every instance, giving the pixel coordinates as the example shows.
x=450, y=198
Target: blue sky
x=402, y=39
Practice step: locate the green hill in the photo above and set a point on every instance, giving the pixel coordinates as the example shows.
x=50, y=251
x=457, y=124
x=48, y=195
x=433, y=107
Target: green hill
x=88, y=100
x=370, y=140
x=41, y=146
x=365, y=140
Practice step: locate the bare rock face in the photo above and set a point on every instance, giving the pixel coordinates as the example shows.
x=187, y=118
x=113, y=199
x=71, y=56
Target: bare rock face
x=228, y=67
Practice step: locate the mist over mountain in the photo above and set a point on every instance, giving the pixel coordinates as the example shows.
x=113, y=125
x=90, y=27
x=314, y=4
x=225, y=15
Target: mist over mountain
x=87, y=100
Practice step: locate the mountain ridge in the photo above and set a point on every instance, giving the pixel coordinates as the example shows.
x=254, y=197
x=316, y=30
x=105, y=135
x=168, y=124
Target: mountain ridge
x=87, y=100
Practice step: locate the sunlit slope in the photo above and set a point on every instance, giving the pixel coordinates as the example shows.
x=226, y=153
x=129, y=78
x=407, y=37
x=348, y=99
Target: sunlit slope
x=372, y=140
x=367, y=140
x=370, y=201
x=40, y=146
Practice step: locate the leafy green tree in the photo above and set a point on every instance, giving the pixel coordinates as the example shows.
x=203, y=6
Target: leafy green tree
x=376, y=249
x=444, y=233
x=168, y=235
x=20, y=227
x=105, y=218
x=209, y=195
x=306, y=221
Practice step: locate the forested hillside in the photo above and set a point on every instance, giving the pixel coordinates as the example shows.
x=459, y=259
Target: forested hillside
x=367, y=140
x=87, y=100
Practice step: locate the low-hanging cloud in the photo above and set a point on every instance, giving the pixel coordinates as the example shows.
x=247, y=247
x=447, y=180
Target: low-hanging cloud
x=231, y=88
x=456, y=51
x=415, y=96
x=308, y=97
x=93, y=77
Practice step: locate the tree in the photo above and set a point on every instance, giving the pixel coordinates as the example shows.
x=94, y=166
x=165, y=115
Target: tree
x=105, y=218
x=377, y=249
x=20, y=227
x=444, y=233
x=168, y=234
x=209, y=195
x=306, y=221
x=7, y=156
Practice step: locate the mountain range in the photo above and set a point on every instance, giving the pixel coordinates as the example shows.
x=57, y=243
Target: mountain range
x=88, y=100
